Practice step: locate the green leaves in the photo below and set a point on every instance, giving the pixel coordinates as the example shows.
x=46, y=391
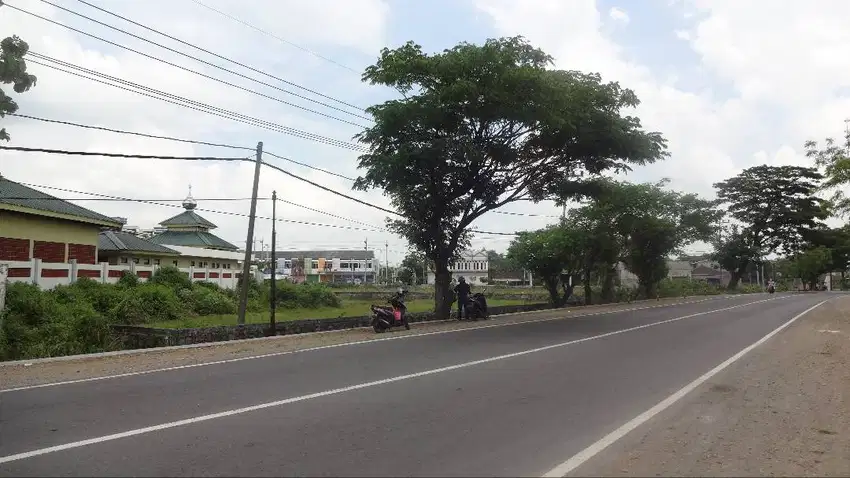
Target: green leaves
x=13, y=69
x=776, y=204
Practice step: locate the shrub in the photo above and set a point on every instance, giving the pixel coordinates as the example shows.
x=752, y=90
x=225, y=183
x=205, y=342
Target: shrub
x=148, y=303
x=128, y=279
x=171, y=277
x=209, y=301
x=305, y=295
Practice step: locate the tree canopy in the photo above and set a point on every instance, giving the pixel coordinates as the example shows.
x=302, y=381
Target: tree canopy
x=554, y=254
x=481, y=126
x=834, y=158
x=13, y=70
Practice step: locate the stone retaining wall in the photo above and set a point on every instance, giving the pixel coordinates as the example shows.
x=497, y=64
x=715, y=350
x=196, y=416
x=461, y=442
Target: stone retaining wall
x=138, y=337
x=383, y=295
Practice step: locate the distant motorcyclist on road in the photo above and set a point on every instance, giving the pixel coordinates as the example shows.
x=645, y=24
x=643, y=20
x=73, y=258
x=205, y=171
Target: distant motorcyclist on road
x=462, y=290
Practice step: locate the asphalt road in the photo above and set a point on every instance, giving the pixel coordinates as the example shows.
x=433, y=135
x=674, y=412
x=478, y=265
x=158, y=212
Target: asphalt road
x=502, y=401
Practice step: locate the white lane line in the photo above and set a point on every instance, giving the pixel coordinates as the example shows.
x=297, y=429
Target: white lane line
x=583, y=456
x=359, y=342
x=238, y=411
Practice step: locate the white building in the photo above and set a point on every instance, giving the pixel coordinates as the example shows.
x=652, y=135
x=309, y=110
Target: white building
x=348, y=266
x=472, y=266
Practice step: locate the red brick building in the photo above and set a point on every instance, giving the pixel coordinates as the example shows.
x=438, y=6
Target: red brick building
x=35, y=225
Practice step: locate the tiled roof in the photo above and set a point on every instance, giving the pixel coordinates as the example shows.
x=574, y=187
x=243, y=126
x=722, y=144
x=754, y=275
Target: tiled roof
x=192, y=239
x=353, y=254
x=16, y=194
x=188, y=218
x=109, y=241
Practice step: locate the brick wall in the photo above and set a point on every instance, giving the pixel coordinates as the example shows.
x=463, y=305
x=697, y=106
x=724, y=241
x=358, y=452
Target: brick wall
x=14, y=249
x=84, y=254
x=49, y=251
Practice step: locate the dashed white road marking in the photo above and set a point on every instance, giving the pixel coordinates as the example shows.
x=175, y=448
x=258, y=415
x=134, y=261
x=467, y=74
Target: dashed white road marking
x=238, y=411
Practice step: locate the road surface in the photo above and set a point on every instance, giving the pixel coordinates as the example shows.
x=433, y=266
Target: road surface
x=517, y=400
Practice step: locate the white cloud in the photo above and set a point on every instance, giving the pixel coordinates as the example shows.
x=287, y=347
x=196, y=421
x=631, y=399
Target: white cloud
x=619, y=15
x=786, y=63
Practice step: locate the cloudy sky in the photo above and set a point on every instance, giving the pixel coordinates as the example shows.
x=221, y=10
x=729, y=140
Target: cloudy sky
x=731, y=84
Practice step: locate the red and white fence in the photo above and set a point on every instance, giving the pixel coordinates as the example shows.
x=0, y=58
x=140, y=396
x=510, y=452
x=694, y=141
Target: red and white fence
x=48, y=275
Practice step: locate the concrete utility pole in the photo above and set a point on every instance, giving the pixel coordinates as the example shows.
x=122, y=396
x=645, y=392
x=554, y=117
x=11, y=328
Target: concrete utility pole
x=387, y=260
x=365, y=248
x=246, y=266
x=273, y=295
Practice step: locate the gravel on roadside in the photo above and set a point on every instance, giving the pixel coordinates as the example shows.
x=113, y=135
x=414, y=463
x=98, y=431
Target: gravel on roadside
x=782, y=410
x=22, y=374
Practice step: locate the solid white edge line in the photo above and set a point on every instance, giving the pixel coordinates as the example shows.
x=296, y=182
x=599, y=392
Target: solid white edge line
x=583, y=456
x=359, y=342
x=238, y=411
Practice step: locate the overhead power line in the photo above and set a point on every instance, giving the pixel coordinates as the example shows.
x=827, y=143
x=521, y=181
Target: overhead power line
x=230, y=60
x=191, y=104
x=132, y=133
x=180, y=140
x=189, y=70
x=306, y=50
x=212, y=211
x=120, y=155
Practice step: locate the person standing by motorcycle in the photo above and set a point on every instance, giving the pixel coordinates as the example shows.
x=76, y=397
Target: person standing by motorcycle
x=462, y=290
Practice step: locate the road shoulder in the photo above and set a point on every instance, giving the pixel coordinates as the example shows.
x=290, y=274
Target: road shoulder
x=780, y=410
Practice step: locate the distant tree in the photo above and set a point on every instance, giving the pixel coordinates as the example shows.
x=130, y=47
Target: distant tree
x=554, y=254
x=810, y=264
x=481, y=126
x=412, y=269
x=641, y=225
x=777, y=208
x=13, y=70
x=834, y=158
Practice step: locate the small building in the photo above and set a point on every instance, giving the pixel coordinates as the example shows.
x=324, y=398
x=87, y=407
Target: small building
x=123, y=248
x=335, y=266
x=36, y=225
x=189, y=234
x=711, y=275
x=474, y=266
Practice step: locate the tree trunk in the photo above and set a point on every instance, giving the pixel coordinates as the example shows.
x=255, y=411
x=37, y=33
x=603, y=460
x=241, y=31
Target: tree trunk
x=588, y=291
x=735, y=278
x=443, y=296
x=551, y=284
x=568, y=292
x=608, y=284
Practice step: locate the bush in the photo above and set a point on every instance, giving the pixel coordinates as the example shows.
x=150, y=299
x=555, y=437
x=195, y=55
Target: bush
x=148, y=303
x=209, y=301
x=171, y=277
x=306, y=295
x=128, y=279
x=51, y=323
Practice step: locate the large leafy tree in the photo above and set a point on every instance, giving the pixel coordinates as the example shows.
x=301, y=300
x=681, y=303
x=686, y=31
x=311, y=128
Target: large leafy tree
x=481, y=126
x=777, y=208
x=641, y=225
x=13, y=70
x=809, y=264
x=412, y=268
x=834, y=157
x=554, y=254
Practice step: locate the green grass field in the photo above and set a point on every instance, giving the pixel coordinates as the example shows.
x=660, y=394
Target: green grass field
x=350, y=308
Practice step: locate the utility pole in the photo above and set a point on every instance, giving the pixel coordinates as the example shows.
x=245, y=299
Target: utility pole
x=365, y=248
x=246, y=266
x=272, y=323
x=387, y=260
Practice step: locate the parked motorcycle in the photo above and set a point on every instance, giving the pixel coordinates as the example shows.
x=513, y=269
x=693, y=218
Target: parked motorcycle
x=476, y=307
x=385, y=318
x=771, y=289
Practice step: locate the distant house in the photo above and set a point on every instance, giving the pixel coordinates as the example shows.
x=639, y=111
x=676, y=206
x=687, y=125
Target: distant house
x=339, y=266
x=119, y=247
x=711, y=275
x=472, y=265
x=35, y=225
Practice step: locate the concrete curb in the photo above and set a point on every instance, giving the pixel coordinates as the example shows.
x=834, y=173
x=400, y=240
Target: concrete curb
x=156, y=350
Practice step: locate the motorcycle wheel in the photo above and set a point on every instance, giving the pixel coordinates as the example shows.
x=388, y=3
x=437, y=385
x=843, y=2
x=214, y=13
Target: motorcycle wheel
x=377, y=328
x=406, y=324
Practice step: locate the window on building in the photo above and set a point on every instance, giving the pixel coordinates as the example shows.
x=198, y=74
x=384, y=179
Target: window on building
x=175, y=263
x=156, y=262
x=124, y=260
x=287, y=264
x=147, y=262
x=315, y=265
x=344, y=265
x=368, y=265
x=192, y=264
x=135, y=260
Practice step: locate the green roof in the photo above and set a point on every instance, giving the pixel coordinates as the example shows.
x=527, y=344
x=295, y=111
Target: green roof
x=115, y=241
x=16, y=194
x=188, y=218
x=192, y=239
